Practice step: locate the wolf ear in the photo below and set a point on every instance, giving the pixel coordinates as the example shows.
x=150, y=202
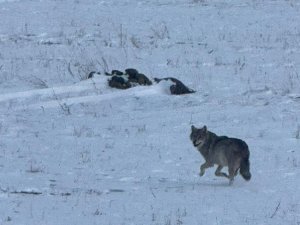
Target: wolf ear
x=204, y=128
x=193, y=128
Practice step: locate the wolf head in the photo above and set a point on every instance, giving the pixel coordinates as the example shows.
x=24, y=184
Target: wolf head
x=198, y=136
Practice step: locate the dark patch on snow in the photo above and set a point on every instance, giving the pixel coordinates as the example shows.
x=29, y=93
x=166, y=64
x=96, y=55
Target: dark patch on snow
x=116, y=190
x=92, y=74
x=117, y=72
x=27, y=192
x=132, y=77
x=119, y=82
x=177, y=88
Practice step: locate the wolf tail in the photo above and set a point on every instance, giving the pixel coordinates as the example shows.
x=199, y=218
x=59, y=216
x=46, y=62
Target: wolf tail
x=245, y=169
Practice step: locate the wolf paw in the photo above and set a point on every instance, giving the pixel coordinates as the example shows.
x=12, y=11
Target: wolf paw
x=201, y=173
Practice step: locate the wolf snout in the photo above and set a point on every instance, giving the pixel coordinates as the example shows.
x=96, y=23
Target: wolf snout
x=196, y=143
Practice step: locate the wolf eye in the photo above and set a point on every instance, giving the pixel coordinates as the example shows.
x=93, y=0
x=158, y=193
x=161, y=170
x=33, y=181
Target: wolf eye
x=201, y=135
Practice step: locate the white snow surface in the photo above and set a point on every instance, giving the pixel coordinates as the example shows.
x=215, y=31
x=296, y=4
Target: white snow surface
x=75, y=151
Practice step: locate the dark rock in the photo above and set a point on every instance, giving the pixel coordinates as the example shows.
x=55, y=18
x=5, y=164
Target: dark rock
x=178, y=88
x=132, y=73
x=138, y=78
x=142, y=79
x=108, y=74
x=117, y=72
x=119, y=82
x=157, y=80
x=92, y=74
x=132, y=77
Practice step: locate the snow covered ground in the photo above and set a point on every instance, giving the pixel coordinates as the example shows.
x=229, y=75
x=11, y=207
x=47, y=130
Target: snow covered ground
x=74, y=151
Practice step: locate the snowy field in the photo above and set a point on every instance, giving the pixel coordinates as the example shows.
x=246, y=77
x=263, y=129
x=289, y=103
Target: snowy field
x=75, y=151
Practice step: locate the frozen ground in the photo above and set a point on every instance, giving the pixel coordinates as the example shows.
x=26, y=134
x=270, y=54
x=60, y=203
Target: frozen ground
x=74, y=151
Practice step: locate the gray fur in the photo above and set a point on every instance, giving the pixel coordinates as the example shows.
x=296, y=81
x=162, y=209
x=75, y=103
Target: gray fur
x=222, y=151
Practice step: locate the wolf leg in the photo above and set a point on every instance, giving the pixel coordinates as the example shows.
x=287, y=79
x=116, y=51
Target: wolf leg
x=218, y=172
x=203, y=167
x=231, y=175
x=236, y=172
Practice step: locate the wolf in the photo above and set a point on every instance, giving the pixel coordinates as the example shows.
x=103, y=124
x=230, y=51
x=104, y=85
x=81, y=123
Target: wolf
x=222, y=151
